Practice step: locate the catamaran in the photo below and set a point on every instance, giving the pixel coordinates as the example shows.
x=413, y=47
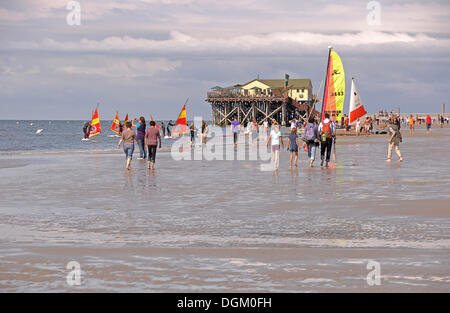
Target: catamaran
x=356, y=109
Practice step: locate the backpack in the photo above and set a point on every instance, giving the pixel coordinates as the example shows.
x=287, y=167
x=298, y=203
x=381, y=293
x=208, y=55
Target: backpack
x=309, y=133
x=326, y=130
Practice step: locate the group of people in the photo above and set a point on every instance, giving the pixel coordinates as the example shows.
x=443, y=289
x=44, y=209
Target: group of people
x=314, y=136
x=147, y=140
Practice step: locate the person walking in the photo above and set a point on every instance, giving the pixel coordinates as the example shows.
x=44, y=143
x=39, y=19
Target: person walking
x=266, y=128
x=394, y=140
x=274, y=139
x=192, y=130
x=140, y=127
x=428, y=122
x=163, y=129
x=152, y=137
x=235, y=128
x=358, y=127
x=311, y=139
x=254, y=132
x=128, y=138
x=293, y=146
x=411, y=125
x=367, y=126
x=169, y=129
x=327, y=131
x=204, y=132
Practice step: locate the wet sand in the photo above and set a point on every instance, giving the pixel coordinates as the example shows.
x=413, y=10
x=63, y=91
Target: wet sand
x=227, y=226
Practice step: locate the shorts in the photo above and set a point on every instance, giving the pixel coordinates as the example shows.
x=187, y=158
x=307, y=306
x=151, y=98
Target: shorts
x=128, y=149
x=293, y=149
x=235, y=137
x=275, y=148
x=428, y=126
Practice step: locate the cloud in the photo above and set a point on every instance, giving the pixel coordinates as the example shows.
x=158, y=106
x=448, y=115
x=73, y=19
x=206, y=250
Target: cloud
x=123, y=68
x=180, y=43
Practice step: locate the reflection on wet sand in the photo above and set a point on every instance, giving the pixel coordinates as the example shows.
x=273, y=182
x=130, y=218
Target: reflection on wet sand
x=227, y=225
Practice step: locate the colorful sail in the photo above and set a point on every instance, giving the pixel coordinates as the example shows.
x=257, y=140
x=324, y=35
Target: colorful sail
x=96, y=128
x=181, y=124
x=333, y=102
x=115, y=127
x=156, y=124
x=356, y=109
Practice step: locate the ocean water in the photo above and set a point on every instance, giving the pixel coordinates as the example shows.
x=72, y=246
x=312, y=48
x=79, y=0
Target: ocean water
x=56, y=135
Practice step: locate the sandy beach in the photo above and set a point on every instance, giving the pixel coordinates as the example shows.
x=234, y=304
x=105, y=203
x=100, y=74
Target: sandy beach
x=227, y=226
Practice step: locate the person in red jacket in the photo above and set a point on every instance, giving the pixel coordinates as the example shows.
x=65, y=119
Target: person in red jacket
x=428, y=120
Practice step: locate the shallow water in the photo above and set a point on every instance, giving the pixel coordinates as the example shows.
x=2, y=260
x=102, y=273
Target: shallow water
x=227, y=225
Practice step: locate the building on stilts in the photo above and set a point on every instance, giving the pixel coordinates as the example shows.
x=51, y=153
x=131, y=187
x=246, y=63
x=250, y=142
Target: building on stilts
x=263, y=99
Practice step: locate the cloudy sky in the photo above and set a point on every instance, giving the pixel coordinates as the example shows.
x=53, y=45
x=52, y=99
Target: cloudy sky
x=146, y=57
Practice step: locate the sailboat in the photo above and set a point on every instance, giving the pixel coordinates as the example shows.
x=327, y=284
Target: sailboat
x=156, y=124
x=356, y=109
x=181, y=124
x=95, y=128
x=115, y=126
x=334, y=92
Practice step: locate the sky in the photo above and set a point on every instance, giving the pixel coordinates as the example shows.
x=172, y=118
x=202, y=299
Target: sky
x=146, y=57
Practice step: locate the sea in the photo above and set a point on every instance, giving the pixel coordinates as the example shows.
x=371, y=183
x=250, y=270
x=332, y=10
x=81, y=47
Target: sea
x=56, y=135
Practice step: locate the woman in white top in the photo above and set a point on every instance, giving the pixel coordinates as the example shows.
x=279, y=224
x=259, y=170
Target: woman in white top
x=266, y=128
x=275, y=138
x=358, y=127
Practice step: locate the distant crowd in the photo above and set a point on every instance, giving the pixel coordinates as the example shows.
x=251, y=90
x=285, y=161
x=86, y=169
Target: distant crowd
x=313, y=136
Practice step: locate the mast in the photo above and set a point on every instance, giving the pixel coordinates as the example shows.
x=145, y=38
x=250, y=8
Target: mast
x=326, y=81
x=351, y=96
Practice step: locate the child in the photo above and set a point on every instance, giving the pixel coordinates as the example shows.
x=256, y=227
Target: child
x=293, y=146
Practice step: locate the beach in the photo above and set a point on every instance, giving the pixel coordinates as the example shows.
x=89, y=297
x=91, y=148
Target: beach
x=227, y=226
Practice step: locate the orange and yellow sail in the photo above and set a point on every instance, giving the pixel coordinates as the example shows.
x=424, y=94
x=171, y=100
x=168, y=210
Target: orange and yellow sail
x=156, y=124
x=333, y=102
x=181, y=124
x=115, y=127
x=96, y=128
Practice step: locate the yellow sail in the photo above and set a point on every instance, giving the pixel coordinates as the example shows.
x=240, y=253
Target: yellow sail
x=335, y=88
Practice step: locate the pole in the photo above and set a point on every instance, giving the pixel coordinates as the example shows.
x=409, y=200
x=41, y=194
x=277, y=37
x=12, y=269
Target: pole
x=326, y=81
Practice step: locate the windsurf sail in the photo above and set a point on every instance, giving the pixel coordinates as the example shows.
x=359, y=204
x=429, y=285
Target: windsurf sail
x=356, y=109
x=334, y=94
x=96, y=128
x=115, y=127
x=126, y=120
x=156, y=124
x=181, y=124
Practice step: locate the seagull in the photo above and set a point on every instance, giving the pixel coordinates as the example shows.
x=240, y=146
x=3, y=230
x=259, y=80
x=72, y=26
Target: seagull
x=39, y=131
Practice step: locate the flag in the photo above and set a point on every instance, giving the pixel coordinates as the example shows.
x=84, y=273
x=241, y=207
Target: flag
x=115, y=127
x=96, y=128
x=356, y=108
x=181, y=124
x=156, y=124
x=333, y=102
